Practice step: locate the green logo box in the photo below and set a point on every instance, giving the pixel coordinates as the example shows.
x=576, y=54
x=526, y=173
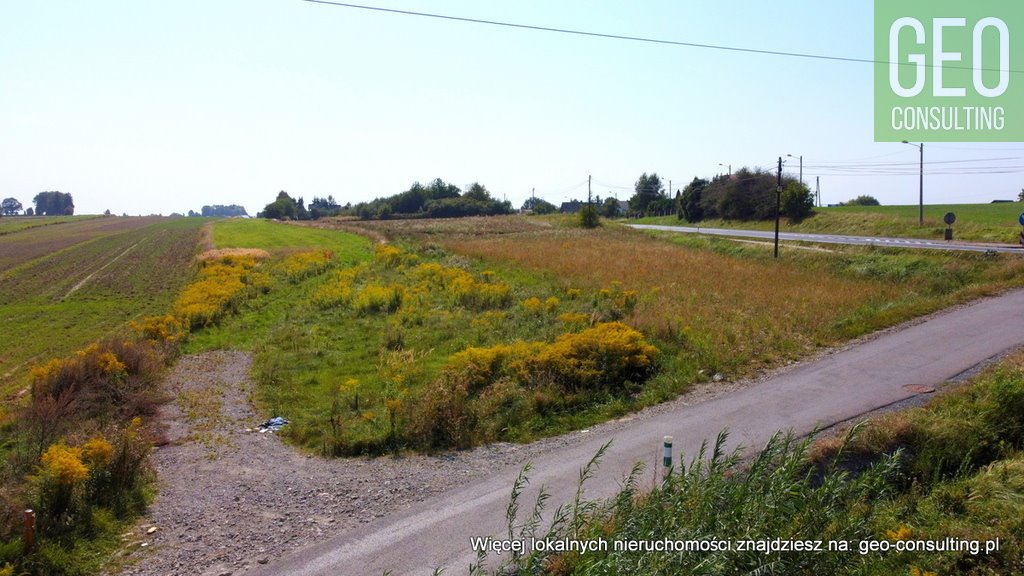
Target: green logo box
x=949, y=70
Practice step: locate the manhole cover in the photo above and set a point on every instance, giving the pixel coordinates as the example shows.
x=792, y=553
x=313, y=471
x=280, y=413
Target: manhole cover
x=919, y=389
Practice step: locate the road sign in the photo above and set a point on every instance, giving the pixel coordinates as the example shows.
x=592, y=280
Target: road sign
x=1021, y=219
x=949, y=218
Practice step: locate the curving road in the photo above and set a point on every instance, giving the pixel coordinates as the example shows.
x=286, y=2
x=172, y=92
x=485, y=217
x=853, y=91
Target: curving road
x=835, y=388
x=838, y=239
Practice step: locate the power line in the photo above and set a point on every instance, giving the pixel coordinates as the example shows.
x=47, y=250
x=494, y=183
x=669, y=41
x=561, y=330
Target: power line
x=634, y=38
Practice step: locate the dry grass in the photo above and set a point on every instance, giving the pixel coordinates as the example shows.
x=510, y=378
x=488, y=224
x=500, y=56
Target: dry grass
x=712, y=304
x=426, y=228
x=223, y=253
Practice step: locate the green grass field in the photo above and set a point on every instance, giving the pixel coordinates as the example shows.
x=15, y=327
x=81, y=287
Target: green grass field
x=97, y=276
x=713, y=322
x=272, y=235
x=996, y=223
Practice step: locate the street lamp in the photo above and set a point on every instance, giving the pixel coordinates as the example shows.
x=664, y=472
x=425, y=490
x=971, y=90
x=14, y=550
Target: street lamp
x=801, y=167
x=729, y=166
x=920, y=205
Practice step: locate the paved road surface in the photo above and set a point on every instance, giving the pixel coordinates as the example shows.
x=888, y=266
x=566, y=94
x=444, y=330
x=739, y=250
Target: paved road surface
x=838, y=239
x=833, y=389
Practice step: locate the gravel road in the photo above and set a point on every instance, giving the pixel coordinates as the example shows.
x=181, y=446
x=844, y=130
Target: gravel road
x=231, y=498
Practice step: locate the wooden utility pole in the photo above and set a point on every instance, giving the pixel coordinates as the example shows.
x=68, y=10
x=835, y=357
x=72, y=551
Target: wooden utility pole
x=778, y=206
x=817, y=189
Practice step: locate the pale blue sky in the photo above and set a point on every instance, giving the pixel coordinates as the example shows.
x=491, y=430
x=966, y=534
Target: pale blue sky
x=153, y=106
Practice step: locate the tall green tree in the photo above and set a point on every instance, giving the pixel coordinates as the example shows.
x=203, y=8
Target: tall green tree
x=648, y=190
x=283, y=207
x=54, y=204
x=477, y=191
x=10, y=207
x=690, y=203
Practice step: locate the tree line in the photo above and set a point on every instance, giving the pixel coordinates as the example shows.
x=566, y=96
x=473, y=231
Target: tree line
x=438, y=199
x=46, y=204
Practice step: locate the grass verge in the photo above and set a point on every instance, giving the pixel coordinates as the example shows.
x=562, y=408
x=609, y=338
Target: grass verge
x=975, y=222
x=949, y=476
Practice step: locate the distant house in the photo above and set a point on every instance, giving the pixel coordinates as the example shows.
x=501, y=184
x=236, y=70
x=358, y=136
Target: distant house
x=571, y=207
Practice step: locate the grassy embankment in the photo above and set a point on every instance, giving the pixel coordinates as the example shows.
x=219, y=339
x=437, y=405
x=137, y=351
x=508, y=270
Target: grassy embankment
x=463, y=304
x=949, y=475
x=974, y=222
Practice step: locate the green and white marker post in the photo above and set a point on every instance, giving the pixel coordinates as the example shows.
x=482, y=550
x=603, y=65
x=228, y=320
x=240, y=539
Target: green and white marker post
x=666, y=455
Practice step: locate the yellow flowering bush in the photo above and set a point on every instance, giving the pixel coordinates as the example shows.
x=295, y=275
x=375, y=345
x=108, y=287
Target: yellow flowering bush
x=97, y=451
x=110, y=365
x=604, y=355
x=304, y=264
x=614, y=303
x=533, y=305
x=337, y=291
x=63, y=464
x=160, y=329
x=463, y=287
x=392, y=256
x=220, y=285
x=376, y=298
x=573, y=318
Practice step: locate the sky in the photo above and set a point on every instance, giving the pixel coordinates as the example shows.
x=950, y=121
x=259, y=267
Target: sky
x=154, y=107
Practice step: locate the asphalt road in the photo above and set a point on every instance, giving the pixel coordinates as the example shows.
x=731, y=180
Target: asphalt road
x=838, y=239
x=836, y=388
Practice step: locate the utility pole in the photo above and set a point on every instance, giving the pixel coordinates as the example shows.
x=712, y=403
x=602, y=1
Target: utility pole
x=778, y=205
x=817, y=189
x=920, y=205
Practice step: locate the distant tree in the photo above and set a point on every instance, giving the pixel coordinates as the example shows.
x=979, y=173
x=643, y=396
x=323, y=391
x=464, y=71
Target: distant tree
x=323, y=207
x=610, y=208
x=222, y=211
x=865, y=200
x=54, y=204
x=192, y=214
x=690, y=203
x=30, y=212
x=648, y=193
x=1020, y=197
x=10, y=207
x=539, y=206
x=477, y=191
x=283, y=208
x=106, y=212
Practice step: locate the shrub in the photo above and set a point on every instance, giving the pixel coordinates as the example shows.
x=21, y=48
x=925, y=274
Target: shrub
x=605, y=355
x=305, y=264
x=487, y=393
x=589, y=217
x=376, y=298
x=392, y=256
x=161, y=329
x=533, y=305
x=113, y=378
x=221, y=286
